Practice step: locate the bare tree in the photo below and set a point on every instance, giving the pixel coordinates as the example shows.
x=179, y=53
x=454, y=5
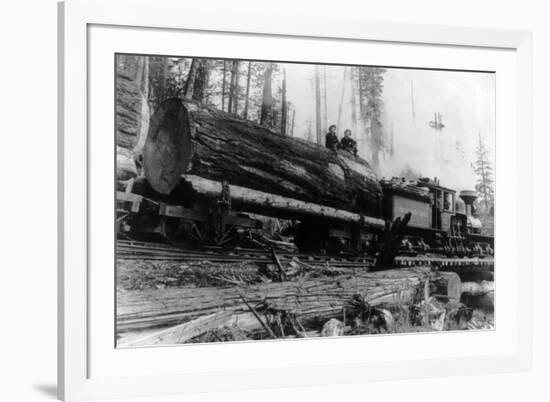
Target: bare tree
x=325, y=96
x=292, y=122
x=284, y=106
x=318, y=107
x=342, y=98
x=266, y=114
x=202, y=77
x=223, y=83
x=234, y=88
x=247, y=95
x=190, y=83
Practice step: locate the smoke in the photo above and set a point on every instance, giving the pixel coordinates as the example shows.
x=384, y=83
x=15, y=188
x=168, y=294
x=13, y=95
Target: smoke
x=465, y=100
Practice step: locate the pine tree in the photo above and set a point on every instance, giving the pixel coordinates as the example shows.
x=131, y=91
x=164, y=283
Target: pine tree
x=284, y=106
x=370, y=82
x=484, y=171
x=247, y=94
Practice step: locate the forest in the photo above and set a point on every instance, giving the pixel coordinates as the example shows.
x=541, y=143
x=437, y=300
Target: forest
x=257, y=91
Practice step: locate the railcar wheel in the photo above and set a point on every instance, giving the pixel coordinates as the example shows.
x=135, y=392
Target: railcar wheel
x=180, y=232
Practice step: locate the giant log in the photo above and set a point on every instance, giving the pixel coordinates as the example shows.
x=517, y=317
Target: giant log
x=313, y=298
x=189, y=139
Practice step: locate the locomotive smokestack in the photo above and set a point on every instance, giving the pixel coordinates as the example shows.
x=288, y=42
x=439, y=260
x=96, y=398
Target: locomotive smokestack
x=469, y=197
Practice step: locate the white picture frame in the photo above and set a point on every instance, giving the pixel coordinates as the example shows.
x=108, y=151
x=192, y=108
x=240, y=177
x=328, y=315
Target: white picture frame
x=79, y=379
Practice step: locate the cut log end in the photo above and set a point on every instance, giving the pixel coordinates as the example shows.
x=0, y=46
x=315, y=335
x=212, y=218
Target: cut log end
x=168, y=149
x=449, y=286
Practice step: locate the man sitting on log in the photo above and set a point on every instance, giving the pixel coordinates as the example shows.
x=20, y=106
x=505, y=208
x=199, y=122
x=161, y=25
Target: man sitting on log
x=331, y=140
x=348, y=143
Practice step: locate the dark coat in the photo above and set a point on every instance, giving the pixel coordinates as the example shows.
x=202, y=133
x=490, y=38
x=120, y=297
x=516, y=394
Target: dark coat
x=350, y=145
x=331, y=141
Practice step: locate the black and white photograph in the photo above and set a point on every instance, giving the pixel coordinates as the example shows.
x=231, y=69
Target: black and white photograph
x=270, y=200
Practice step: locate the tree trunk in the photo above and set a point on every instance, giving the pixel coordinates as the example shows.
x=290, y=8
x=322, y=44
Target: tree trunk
x=292, y=122
x=234, y=88
x=341, y=101
x=132, y=108
x=202, y=77
x=307, y=299
x=270, y=204
x=284, y=107
x=318, y=107
x=223, y=83
x=245, y=112
x=353, y=103
x=189, y=139
x=190, y=82
x=325, y=97
x=266, y=113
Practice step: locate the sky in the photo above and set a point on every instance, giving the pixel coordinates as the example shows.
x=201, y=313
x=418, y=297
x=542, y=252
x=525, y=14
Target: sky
x=465, y=100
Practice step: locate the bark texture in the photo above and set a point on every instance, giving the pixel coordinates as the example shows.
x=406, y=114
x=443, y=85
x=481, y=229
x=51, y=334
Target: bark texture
x=132, y=109
x=314, y=298
x=186, y=138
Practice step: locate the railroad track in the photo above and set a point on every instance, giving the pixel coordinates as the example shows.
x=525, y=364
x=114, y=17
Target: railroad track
x=156, y=251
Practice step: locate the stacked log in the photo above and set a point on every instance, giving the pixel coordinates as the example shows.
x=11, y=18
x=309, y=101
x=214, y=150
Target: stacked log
x=317, y=298
x=192, y=140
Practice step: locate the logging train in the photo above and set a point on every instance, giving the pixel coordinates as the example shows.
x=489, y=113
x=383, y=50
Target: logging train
x=209, y=177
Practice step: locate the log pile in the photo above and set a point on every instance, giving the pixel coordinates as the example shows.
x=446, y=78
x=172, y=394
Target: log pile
x=192, y=140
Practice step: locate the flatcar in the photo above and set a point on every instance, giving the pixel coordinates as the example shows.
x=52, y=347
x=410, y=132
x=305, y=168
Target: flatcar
x=441, y=223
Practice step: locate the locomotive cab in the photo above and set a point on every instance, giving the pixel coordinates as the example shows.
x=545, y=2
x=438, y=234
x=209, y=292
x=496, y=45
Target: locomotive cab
x=443, y=204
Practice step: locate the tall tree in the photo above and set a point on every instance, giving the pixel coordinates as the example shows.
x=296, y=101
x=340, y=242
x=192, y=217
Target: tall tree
x=223, y=83
x=247, y=94
x=484, y=170
x=370, y=81
x=292, y=122
x=190, y=83
x=309, y=131
x=202, y=77
x=325, y=96
x=266, y=114
x=284, y=106
x=353, y=102
x=318, y=107
x=342, y=99
x=233, y=103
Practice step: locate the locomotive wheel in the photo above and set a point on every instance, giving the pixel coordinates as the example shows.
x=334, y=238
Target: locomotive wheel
x=335, y=246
